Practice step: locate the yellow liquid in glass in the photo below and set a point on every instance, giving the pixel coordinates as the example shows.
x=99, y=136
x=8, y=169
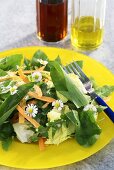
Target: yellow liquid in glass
x=86, y=33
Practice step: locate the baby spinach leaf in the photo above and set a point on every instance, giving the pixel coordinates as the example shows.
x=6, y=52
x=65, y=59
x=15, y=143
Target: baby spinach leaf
x=27, y=64
x=6, y=131
x=9, y=105
x=42, y=131
x=38, y=55
x=88, y=131
x=11, y=62
x=66, y=86
x=6, y=143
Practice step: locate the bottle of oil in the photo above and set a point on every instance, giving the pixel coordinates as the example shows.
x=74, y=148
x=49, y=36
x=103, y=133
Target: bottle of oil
x=86, y=33
x=87, y=26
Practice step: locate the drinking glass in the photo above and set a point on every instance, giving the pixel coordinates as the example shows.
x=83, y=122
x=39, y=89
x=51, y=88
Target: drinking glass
x=87, y=23
x=51, y=19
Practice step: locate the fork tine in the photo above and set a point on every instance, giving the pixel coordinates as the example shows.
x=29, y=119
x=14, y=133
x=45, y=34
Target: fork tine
x=70, y=70
x=65, y=69
x=74, y=69
x=80, y=71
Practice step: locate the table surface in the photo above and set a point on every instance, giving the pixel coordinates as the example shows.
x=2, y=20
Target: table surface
x=18, y=29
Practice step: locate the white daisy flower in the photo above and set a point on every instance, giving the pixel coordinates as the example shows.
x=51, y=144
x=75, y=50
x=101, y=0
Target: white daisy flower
x=13, y=90
x=90, y=107
x=37, y=76
x=58, y=104
x=31, y=110
x=43, y=62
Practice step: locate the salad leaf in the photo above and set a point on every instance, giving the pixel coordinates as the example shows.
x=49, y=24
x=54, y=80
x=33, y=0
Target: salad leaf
x=11, y=62
x=73, y=117
x=62, y=134
x=2, y=73
x=27, y=64
x=6, y=143
x=80, y=63
x=6, y=131
x=105, y=91
x=58, y=59
x=42, y=131
x=38, y=55
x=9, y=105
x=88, y=130
x=66, y=86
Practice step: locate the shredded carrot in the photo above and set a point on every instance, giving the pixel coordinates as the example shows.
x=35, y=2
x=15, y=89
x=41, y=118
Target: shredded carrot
x=41, y=144
x=21, y=118
x=38, y=90
x=45, y=105
x=22, y=76
x=41, y=68
x=106, y=99
x=43, y=98
x=32, y=121
x=7, y=78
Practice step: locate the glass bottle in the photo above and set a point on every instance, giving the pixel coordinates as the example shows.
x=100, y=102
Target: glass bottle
x=51, y=20
x=87, y=23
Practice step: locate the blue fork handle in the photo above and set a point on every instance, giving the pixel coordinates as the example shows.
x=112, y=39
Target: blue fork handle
x=108, y=110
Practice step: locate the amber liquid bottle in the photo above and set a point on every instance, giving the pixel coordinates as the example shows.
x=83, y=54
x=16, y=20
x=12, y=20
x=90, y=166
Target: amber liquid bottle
x=51, y=19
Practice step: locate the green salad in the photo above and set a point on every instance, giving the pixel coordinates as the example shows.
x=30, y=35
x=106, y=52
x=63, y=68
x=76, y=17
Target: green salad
x=41, y=103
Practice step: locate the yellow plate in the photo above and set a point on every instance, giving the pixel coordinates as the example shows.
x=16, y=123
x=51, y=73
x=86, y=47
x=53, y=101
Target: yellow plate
x=28, y=155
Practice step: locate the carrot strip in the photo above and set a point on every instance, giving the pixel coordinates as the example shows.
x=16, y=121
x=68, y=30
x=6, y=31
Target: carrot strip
x=21, y=118
x=41, y=68
x=43, y=98
x=45, y=105
x=38, y=90
x=22, y=76
x=32, y=121
x=7, y=78
x=41, y=144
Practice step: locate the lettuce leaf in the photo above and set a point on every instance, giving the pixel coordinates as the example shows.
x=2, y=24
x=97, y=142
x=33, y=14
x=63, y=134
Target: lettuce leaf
x=62, y=134
x=11, y=62
x=65, y=86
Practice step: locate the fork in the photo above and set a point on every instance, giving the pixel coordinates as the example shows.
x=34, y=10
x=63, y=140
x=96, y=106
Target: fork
x=74, y=68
